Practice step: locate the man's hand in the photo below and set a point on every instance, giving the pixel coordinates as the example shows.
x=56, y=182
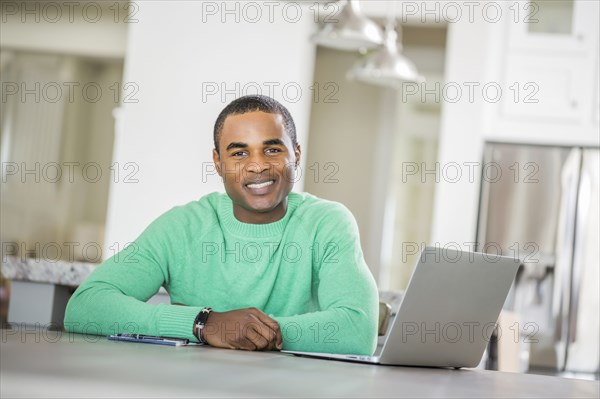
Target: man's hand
x=248, y=329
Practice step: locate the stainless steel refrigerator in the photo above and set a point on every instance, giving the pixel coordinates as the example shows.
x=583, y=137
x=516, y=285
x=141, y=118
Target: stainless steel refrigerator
x=542, y=203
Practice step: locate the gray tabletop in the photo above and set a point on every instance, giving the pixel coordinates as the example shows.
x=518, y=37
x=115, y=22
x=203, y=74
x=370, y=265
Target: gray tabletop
x=53, y=364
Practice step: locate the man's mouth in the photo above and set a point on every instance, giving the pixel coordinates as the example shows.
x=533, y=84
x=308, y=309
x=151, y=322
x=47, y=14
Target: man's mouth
x=255, y=186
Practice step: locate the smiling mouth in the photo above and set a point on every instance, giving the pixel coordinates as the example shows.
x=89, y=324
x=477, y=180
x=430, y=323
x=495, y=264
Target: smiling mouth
x=260, y=185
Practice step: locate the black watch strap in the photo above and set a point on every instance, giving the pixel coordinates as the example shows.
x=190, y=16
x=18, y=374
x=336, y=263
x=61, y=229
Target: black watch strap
x=200, y=322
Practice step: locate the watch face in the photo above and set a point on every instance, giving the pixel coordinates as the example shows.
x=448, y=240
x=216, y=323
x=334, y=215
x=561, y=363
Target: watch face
x=204, y=315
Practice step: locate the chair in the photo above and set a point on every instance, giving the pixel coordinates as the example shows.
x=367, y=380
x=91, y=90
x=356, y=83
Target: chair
x=385, y=312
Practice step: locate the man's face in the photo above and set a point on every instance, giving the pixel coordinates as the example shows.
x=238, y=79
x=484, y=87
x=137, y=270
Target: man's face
x=257, y=162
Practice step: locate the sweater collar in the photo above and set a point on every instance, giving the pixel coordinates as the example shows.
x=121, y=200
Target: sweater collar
x=250, y=230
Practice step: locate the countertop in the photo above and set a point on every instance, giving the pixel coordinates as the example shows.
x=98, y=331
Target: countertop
x=60, y=364
x=46, y=271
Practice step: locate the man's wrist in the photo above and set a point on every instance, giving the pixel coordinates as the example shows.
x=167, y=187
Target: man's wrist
x=199, y=324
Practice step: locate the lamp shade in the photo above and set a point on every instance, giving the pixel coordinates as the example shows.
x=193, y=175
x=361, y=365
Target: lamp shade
x=386, y=66
x=352, y=32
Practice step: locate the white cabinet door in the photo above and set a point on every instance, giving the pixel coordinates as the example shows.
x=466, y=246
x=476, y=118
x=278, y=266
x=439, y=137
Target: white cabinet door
x=545, y=87
x=549, y=74
x=558, y=26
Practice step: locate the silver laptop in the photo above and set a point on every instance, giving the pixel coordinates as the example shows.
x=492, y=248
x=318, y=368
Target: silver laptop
x=448, y=313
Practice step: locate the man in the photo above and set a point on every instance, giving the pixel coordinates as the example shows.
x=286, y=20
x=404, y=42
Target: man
x=257, y=268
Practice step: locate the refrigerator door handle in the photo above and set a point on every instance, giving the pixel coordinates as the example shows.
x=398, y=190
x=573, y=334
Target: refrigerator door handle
x=564, y=252
x=583, y=346
x=582, y=216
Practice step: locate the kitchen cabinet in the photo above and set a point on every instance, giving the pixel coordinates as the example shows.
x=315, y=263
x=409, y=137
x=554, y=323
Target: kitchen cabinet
x=548, y=71
x=557, y=26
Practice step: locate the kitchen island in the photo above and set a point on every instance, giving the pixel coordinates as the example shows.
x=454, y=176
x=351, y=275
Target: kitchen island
x=40, y=363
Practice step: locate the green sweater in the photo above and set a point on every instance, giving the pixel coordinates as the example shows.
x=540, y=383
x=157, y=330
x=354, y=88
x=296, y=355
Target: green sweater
x=306, y=271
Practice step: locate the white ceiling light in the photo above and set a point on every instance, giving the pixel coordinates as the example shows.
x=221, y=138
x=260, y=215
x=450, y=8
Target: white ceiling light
x=352, y=31
x=386, y=66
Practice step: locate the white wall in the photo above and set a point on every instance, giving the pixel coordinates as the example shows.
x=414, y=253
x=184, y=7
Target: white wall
x=95, y=29
x=460, y=141
x=174, y=51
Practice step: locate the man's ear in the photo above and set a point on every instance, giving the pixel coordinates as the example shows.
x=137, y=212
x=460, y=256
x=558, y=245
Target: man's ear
x=298, y=154
x=217, y=161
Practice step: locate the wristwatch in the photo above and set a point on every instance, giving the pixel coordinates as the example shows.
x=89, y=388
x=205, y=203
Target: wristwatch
x=199, y=323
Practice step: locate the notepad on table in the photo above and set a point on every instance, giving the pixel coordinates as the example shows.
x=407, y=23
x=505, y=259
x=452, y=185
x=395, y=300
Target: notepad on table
x=152, y=339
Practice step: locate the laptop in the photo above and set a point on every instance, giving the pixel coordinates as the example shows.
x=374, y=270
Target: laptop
x=448, y=312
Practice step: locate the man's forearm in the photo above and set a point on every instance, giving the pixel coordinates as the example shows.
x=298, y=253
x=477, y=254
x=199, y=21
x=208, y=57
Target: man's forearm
x=101, y=310
x=339, y=330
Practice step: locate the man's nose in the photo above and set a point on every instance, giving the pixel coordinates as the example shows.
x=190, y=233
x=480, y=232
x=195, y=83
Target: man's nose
x=258, y=163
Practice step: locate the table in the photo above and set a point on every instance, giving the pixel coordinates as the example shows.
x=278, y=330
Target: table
x=41, y=363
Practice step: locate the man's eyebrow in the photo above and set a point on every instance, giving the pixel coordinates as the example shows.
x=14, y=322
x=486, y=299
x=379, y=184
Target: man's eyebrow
x=236, y=144
x=273, y=142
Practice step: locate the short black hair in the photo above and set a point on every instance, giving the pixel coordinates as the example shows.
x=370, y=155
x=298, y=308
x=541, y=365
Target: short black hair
x=253, y=103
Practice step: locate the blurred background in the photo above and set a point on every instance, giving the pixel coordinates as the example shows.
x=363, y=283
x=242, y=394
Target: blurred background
x=401, y=107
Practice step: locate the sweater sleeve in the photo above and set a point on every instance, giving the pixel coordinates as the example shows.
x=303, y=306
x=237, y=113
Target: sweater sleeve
x=113, y=298
x=346, y=321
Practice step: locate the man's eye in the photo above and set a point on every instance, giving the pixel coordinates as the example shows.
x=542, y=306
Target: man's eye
x=238, y=154
x=273, y=150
